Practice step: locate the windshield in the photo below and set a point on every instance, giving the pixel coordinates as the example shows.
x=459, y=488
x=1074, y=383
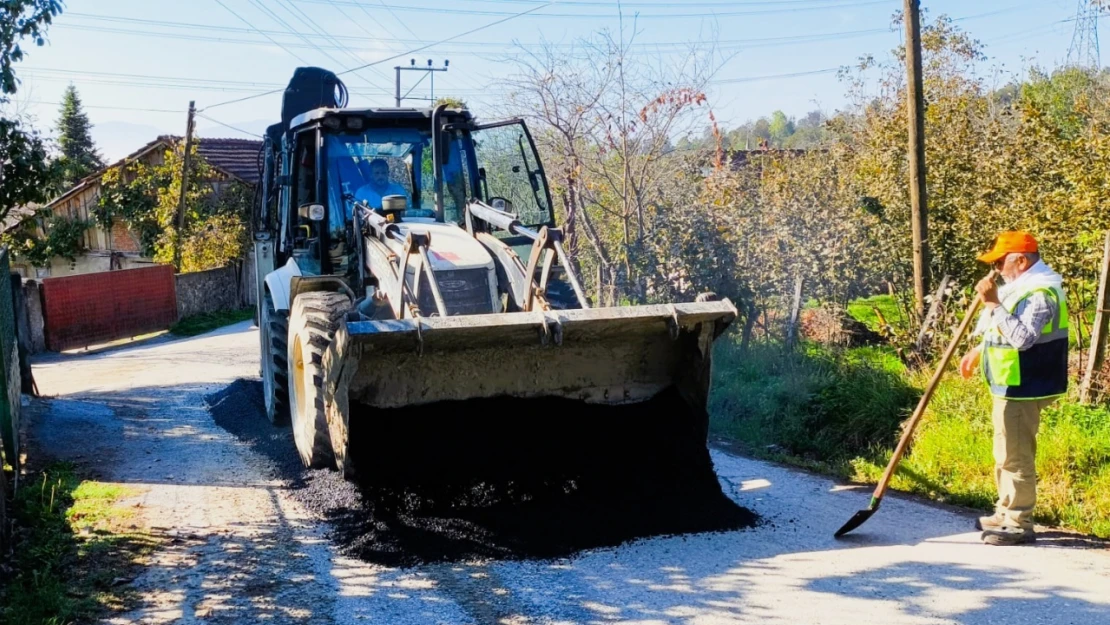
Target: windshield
x=378, y=162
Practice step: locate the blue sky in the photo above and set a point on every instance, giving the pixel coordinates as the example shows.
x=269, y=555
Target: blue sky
x=137, y=63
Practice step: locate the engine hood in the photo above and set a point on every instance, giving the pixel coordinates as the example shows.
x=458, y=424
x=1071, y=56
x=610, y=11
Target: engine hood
x=452, y=247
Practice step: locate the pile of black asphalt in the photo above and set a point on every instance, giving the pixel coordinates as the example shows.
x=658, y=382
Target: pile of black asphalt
x=499, y=478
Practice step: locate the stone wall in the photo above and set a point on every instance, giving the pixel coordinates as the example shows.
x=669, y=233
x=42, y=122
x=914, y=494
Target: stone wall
x=32, y=299
x=209, y=291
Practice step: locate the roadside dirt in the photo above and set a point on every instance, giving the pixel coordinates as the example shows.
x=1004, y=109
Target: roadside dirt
x=239, y=550
x=248, y=544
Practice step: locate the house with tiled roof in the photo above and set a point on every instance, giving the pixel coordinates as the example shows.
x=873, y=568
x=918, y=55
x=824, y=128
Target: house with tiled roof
x=118, y=247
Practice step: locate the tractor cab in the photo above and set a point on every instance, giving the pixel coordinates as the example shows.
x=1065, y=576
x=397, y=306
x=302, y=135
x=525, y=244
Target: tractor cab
x=411, y=165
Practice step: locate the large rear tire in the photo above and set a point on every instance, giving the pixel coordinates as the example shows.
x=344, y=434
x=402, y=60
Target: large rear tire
x=313, y=321
x=274, y=330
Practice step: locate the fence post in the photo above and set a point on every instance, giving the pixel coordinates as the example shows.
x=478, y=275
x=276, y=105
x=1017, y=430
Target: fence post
x=931, y=318
x=22, y=335
x=1097, y=353
x=9, y=367
x=3, y=511
x=795, y=312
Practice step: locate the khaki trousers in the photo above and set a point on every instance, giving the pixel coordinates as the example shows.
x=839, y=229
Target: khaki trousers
x=1015, y=458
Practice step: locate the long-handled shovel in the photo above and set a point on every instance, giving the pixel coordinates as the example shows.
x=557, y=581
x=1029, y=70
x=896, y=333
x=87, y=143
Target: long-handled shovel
x=861, y=517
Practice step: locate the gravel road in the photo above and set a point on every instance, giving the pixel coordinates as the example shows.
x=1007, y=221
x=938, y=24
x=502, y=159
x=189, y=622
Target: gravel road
x=250, y=547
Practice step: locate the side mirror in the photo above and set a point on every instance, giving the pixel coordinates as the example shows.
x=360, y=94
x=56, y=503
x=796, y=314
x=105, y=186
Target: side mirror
x=314, y=212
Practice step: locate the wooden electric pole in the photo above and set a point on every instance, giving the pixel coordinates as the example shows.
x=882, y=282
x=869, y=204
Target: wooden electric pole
x=915, y=101
x=184, y=186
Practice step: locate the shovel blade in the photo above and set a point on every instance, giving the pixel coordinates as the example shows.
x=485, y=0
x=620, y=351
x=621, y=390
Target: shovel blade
x=859, y=518
x=612, y=355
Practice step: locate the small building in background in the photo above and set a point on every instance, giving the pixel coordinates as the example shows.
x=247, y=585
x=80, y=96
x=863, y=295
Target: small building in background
x=118, y=247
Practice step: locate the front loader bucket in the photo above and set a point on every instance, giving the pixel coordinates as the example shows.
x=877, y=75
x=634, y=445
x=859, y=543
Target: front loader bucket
x=602, y=357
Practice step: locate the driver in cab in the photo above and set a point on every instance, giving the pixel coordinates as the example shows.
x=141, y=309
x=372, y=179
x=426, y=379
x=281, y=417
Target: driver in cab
x=380, y=186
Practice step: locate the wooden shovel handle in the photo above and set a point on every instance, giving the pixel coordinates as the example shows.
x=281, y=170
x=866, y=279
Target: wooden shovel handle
x=920, y=410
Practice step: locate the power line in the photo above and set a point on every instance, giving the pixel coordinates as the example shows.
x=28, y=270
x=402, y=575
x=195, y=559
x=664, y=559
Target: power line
x=182, y=82
x=657, y=46
x=115, y=108
x=729, y=81
x=439, y=9
x=353, y=69
x=463, y=34
x=368, y=14
x=399, y=21
x=357, y=22
x=481, y=44
x=666, y=3
x=289, y=6
x=147, y=77
x=289, y=28
x=244, y=20
x=216, y=121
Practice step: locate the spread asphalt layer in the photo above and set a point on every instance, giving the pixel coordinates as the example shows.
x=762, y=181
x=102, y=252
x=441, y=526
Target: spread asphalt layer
x=514, y=480
x=250, y=546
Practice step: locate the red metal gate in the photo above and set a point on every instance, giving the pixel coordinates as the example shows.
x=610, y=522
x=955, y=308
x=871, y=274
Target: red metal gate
x=93, y=308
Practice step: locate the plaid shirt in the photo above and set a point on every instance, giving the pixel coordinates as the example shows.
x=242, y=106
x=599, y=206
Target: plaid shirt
x=1022, y=328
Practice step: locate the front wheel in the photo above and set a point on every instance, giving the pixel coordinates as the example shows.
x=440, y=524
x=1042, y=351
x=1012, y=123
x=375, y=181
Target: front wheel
x=312, y=324
x=274, y=332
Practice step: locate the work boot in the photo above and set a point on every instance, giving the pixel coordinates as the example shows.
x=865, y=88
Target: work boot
x=1009, y=535
x=991, y=522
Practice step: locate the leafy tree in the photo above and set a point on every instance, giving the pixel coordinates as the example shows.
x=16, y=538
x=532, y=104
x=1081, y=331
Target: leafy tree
x=147, y=199
x=128, y=193
x=24, y=173
x=64, y=238
x=20, y=19
x=1064, y=95
x=79, y=156
x=450, y=102
x=781, y=127
x=809, y=132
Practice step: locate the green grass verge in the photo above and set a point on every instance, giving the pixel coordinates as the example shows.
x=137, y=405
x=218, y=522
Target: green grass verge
x=863, y=310
x=199, y=324
x=816, y=407
x=840, y=412
x=74, y=545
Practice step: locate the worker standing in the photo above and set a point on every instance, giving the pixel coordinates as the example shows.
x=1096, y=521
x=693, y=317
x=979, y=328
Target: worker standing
x=1024, y=356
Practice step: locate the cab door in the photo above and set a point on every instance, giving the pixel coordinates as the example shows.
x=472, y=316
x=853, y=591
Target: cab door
x=509, y=173
x=305, y=233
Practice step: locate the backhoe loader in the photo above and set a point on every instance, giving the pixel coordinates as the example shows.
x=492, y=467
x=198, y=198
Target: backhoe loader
x=409, y=257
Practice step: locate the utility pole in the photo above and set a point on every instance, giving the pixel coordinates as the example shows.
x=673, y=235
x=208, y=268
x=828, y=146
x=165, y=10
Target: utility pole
x=412, y=67
x=397, y=89
x=184, y=185
x=918, y=198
